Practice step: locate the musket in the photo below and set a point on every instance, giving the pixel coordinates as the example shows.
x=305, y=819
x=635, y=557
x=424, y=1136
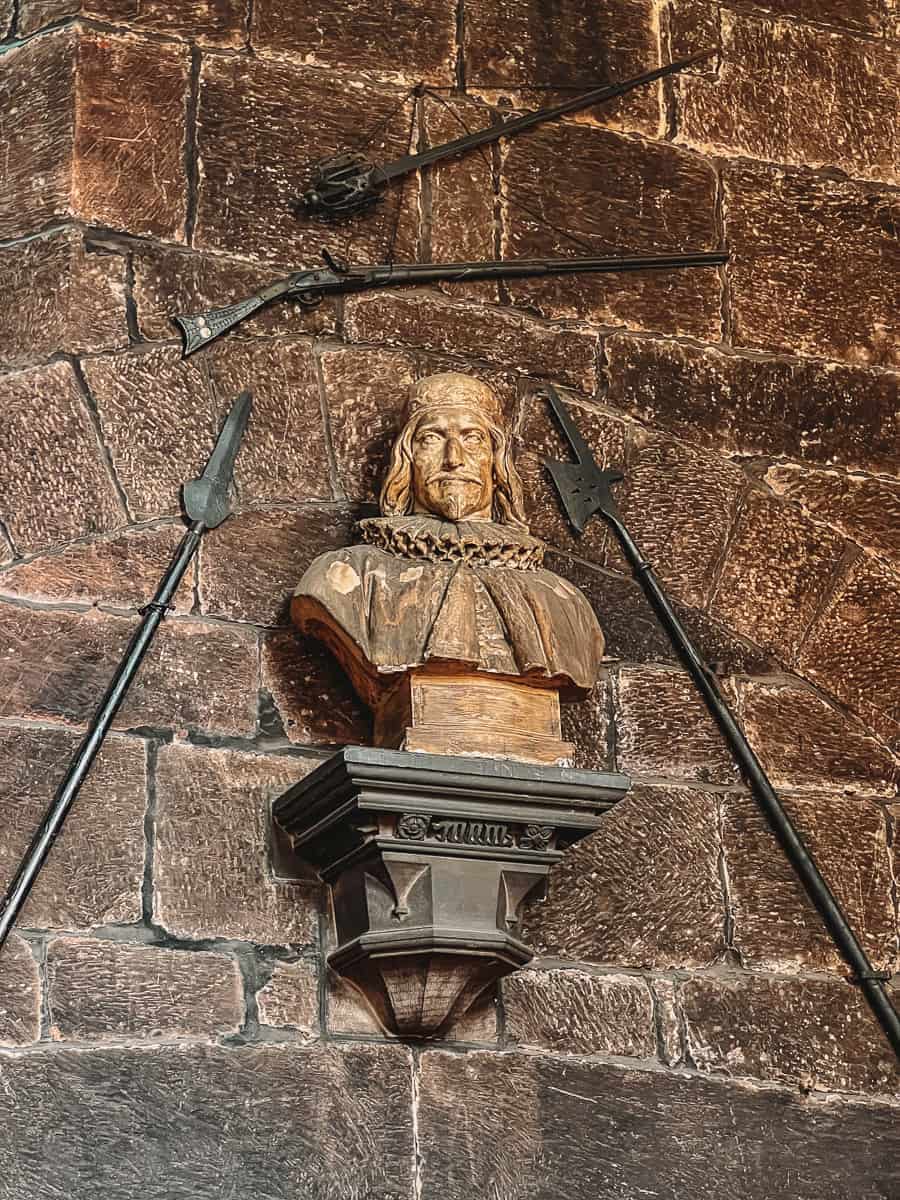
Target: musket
x=206, y=504
x=309, y=287
x=584, y=489
x=348, y=182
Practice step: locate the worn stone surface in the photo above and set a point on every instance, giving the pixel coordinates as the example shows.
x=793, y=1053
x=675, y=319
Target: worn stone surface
x=866, y=510
x=6, y=17
x=663, y=729
x=853, y=649
x=804, y=742
x=57, y=665
x=209, y=22
x=20, y=994
x=37, y=99
x=620, y=196
x=813, y=266
x=777, y=570
x=252, y=563
x=290, y=998
x=122, y=569
x=864, y=15
x=511, y=44
x=574, y=1012
x=586, y=725
x=93, y=876
x=61, y=295
x=314, y=699
x=54, y=485
x=775, y=926
x=99, y=990
x=670, y=1041
x=613, y=1131
x=821, y=412
x=850, y=84
x=405, y=40
x=641, y=891
x=202, y=1094
x=814, y=1032
x=565, y=355
x=161, y=417
x=267, y=124
x=222, y=886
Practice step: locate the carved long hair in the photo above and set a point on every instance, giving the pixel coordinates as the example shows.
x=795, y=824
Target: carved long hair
x=396, y=499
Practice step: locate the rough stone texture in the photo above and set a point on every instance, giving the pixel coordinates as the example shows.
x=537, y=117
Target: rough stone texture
x=406, y=40
x=821, y=412
x=777, y=570
x=853, y=649
x=864, y=15
x=290, y=998
x=573, y=1012
x=36, y=134
x=100, y=990
x=663, y=729
x=57, y=665
x=804, y=742
x=314, y=699
x=214, y=22
x=130, y=134
x=161, y=417
x=813, y=1032
x=221, y=886
x=93, y=876
x=620, y=196
x=6, y=17
x=253, y=562
x=54, y=485
x=586, y=724
x=20, y=994
x=670, y=1042
x=866, y=510
x=565, y=355
x=267, y=124
x=122, y=569
x=813, y=265
x=643, y=890
x=612, y=1132
x=775, y=926
x=348, y=1013
x=255, y=1098
x=850, y=84
x=511, y=44
x=61, y=294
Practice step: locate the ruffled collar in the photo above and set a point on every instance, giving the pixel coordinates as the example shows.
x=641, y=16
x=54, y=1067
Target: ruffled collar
x=477, y=543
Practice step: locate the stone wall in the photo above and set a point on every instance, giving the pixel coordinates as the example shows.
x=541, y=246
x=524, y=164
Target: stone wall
x=166, y=1021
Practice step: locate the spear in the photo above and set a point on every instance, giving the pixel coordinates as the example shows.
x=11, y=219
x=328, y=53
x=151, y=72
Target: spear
x=206, y=504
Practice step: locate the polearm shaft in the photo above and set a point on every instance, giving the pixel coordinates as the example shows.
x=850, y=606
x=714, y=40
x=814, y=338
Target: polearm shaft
x=206, y=501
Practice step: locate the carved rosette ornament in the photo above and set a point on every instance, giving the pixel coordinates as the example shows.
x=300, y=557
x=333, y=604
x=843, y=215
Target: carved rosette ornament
x=463, y=644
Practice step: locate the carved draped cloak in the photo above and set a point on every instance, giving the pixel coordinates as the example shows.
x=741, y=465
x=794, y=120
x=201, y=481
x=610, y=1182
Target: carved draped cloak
x=471, y=595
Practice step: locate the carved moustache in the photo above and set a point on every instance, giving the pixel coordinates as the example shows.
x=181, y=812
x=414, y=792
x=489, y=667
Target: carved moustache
x=452, y=477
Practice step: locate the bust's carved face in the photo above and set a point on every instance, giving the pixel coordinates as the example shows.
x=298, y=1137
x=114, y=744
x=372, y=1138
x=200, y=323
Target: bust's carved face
x=453, y=465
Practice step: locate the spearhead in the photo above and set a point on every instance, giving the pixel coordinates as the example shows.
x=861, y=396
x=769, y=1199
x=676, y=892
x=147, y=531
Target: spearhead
x=583, y=487
x=206, y=499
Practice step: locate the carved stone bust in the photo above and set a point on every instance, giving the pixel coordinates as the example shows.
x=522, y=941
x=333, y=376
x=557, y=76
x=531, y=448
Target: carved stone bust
x=447, y=623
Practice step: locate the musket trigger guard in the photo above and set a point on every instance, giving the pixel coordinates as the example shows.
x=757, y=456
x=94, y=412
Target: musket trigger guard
x=310, y=299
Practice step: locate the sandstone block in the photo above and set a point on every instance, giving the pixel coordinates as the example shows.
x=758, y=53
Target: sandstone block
x=813, y=265
x=573, y=1012
x=102, y=990
x=290, y=999
x=663, y=729
x=62, y=295
x=775, y=926
x=209, y=22
x=20, y=994
x=211, y=871
x=587, y=726
x=161, y=417
x=821, y=412
x=314, y=699
x=622, y=196
x=93, y=876
x=200, y=1095
x=54, y=483
x=848, y=82
x=777, y=569
x=610, y=1131
x=864, y=15
x=643, y=890
x=6, y=18
x=800, y=1031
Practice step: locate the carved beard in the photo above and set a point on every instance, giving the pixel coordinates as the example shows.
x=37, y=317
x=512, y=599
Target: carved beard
x=454, y=498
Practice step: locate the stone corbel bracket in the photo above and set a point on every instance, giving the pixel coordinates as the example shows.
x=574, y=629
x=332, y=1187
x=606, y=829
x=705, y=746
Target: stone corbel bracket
x=429, y=859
